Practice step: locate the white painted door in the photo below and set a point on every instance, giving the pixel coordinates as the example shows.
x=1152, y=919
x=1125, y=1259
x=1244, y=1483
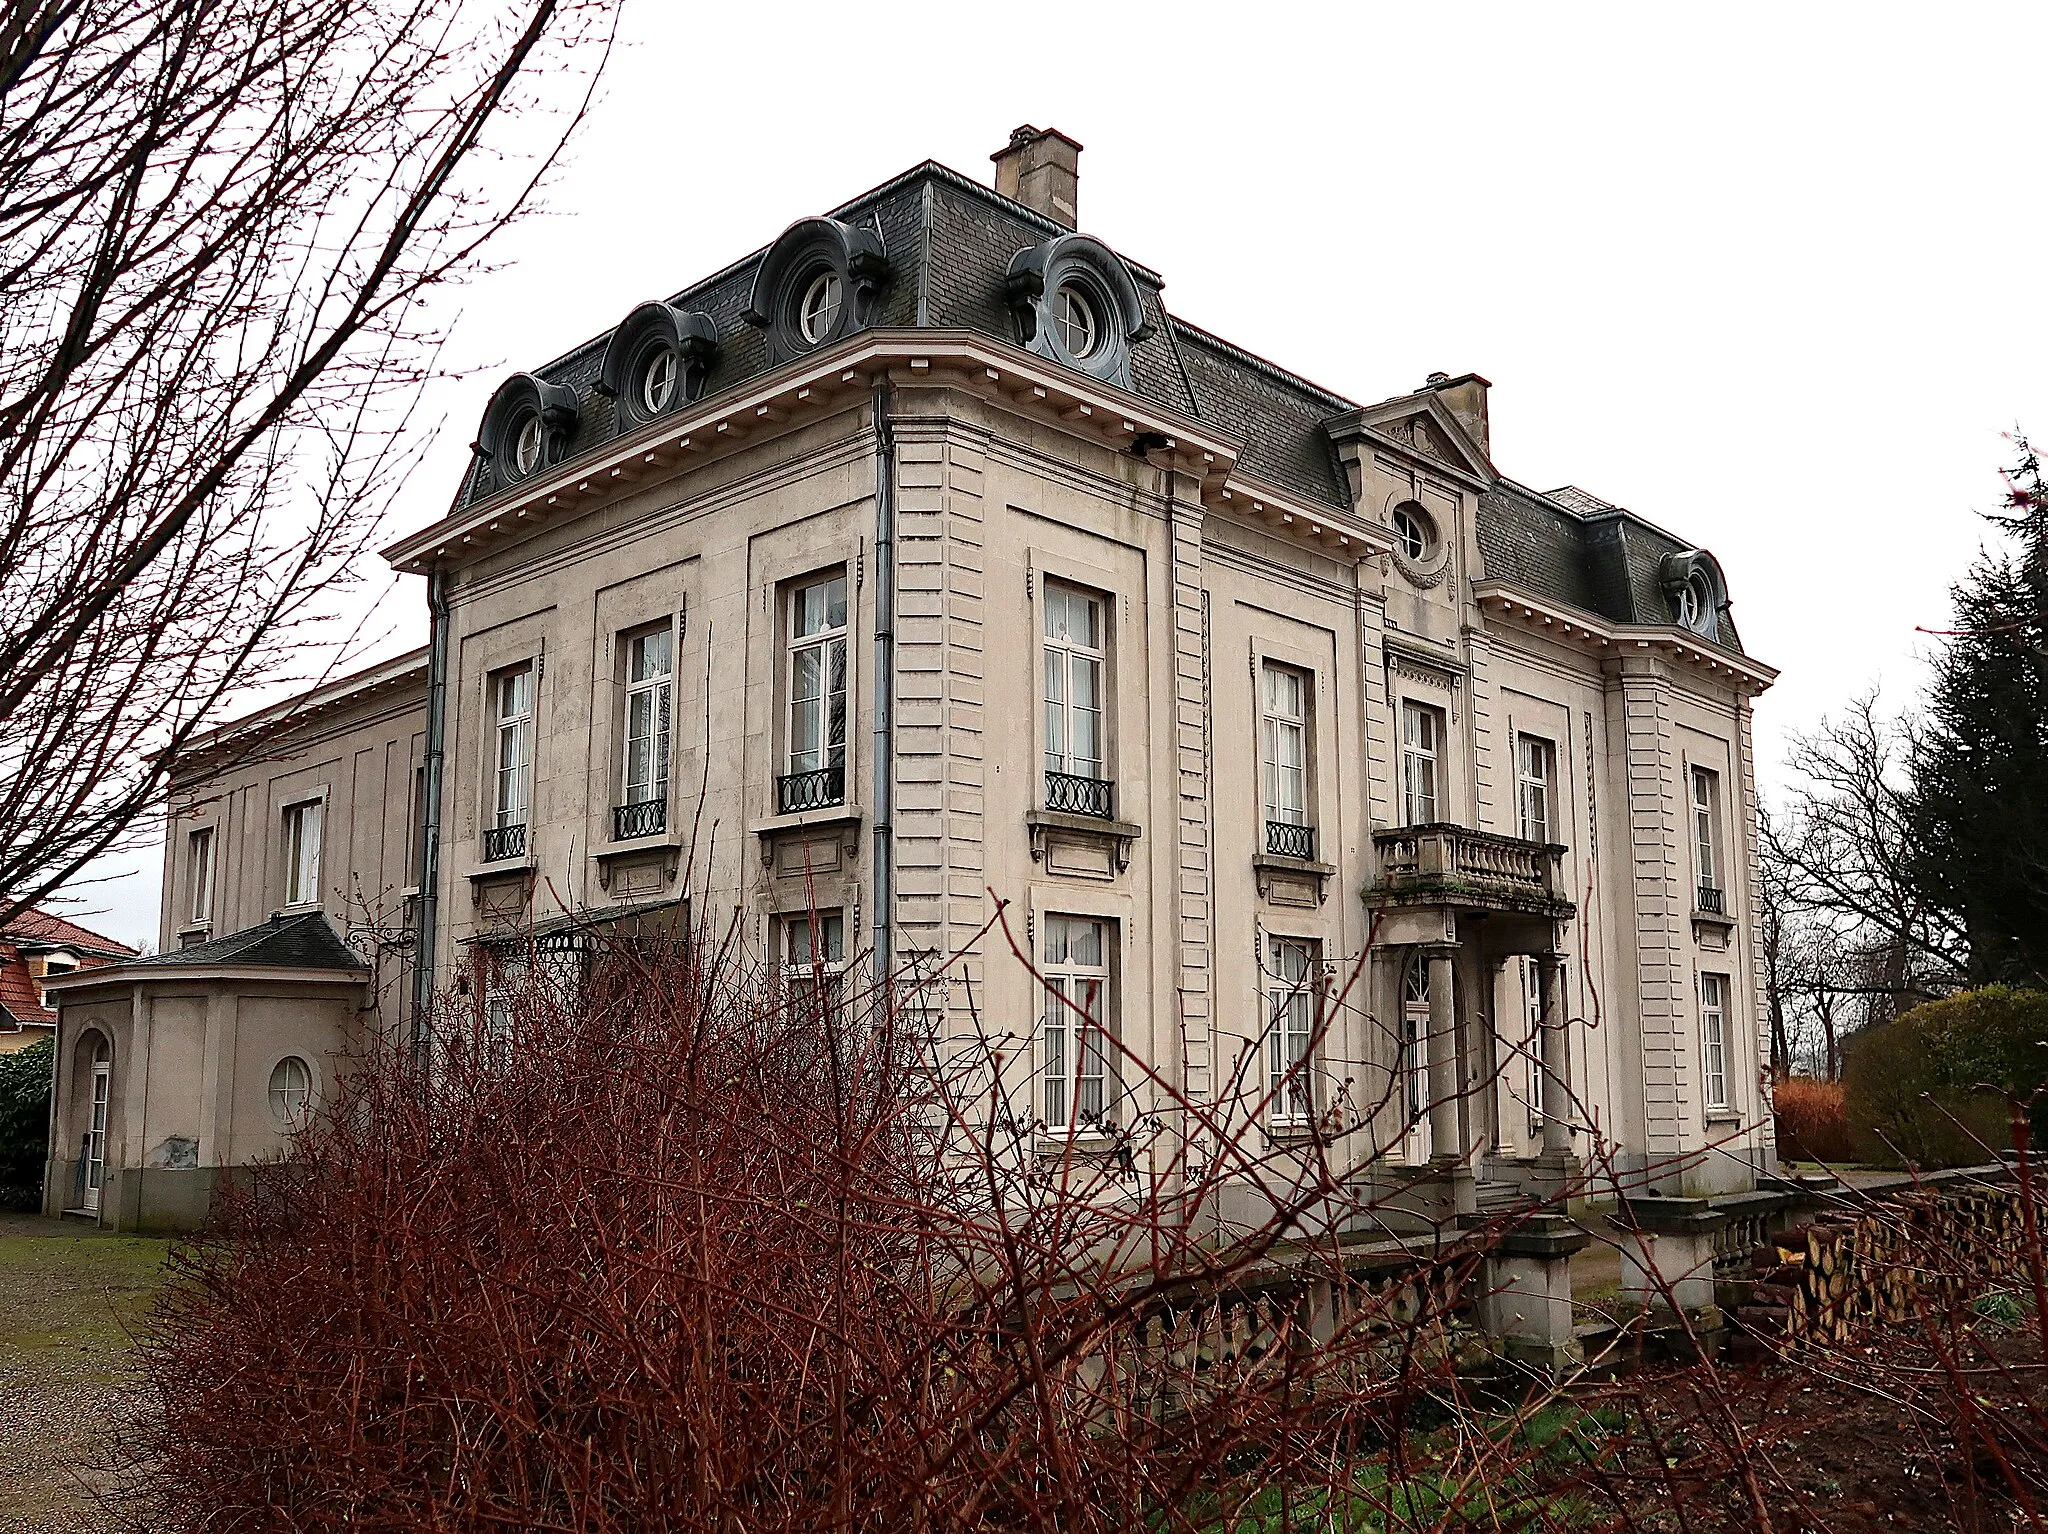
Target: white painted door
x=96, y=1134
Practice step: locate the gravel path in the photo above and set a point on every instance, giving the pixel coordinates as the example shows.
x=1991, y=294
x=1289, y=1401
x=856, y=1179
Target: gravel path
x=69, y=1295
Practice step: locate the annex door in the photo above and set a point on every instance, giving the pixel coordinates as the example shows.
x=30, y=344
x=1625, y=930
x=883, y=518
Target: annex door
x=96, y=1130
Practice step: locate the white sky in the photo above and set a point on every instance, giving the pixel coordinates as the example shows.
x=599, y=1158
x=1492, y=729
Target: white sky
x=1768, y=275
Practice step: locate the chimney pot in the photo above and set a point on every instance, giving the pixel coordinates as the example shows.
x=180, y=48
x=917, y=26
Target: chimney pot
x=1041, y=168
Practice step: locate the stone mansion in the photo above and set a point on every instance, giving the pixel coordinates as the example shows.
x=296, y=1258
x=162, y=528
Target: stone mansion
x=925, y=554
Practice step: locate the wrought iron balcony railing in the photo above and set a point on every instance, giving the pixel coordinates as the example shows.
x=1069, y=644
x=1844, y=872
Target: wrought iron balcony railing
x=646, y=817
x=817, y=790
x=1284, y=839
x=504, y=842
x=1712, y=901
x=1080, y=796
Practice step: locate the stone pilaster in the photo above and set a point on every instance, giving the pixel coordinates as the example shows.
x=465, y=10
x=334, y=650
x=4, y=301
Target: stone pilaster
x=1193, y=874
x=1661, y=908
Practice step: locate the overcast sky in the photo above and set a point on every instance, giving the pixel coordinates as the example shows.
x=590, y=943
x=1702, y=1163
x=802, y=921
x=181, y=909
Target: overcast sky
x=1768, y=275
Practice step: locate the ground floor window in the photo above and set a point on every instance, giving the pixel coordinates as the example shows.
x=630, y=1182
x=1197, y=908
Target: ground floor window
x=1714, y=1038
x=1291, y=997
x=1073, y=1054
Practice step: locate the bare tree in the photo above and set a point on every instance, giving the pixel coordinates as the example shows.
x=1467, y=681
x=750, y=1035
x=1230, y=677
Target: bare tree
x=1856, y=939
x=219, y=226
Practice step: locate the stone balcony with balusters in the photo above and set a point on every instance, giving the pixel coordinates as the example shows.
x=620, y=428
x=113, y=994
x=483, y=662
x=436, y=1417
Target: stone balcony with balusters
x=1449, y=865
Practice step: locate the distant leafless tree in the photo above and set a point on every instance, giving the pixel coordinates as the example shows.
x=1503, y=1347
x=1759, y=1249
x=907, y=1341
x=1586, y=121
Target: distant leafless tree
x=1850, y=937
x=219, y=222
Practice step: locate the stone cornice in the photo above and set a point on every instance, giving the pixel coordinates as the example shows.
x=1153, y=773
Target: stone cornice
x=816, y=384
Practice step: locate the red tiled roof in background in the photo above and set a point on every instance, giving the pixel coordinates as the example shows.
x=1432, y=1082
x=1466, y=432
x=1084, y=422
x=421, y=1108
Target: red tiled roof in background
x=41, y=927
x=18, y=997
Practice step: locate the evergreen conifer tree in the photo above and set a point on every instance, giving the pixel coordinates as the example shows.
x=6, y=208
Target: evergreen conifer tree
x=1979, y=798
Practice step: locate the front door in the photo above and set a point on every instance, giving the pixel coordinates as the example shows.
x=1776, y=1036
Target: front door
x=96, y=1135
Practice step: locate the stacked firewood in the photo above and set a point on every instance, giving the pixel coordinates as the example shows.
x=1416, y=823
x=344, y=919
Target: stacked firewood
x=1829, y=1278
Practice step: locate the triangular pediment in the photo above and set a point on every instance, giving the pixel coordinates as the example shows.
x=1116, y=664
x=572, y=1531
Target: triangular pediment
x=1423, y=425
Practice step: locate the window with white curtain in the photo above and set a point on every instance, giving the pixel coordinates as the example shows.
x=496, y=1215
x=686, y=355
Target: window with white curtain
x=1284, y=722
x=817, y=675
x=650, y=666
x=199, y=866
x=1535, y=768
x=1073, y=682
x=302, y=829
x=512, y=697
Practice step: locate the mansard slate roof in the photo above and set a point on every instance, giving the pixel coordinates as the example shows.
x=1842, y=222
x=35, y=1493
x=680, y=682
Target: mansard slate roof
x=304, y=940
x=949, y=242
x=1579, y=549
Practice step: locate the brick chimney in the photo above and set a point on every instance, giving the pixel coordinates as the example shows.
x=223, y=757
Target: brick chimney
x=1465, y=398
x=1041, y=168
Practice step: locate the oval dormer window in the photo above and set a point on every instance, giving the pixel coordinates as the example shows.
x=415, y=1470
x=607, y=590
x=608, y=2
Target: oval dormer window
x=528, y=445
x=1411, y=526
x=818, y=313
x=1080, y=329
x=1696, y=604
x=658, y=380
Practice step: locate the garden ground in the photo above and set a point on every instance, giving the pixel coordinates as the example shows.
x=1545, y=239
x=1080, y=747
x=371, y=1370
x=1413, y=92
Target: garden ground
x=69, y=1298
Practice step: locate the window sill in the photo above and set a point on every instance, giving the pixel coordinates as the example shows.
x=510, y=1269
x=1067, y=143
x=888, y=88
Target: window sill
x=1055, y=1143
x=196, y=928
x=1093, y=825
x=659, y=842
x=519, y=865
x=1274, y=862
x=825, y=818
x=1724, y=1117
x=1295, y=1131
x=1713, y=919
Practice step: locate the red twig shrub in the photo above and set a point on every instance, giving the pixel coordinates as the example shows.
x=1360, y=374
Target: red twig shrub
x=1812, y=1124
x=695, y=1254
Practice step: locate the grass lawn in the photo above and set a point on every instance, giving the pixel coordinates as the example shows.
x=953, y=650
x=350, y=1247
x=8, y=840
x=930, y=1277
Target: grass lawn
x=69, y=1296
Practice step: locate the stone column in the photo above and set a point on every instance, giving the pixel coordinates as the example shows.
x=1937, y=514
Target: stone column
x=1446, y=1080
x=1558, y=1170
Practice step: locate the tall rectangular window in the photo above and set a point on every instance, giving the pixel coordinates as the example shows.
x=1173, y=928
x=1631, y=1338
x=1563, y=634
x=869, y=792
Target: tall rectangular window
x=513, y=696
x=1285, y=727
x=650, y=664
x=1290, y=1026
x=814, y=963
x=302, y=852
x=199, y=866
x=1706, y=841
x=1073, y=1063
x=1535, y=767
x=1073, y=682
x=1714, y=1038
x=1422, y=732
x=817, y=675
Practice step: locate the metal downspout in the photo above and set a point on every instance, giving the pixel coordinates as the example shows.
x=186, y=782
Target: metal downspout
x=885, y=679
x=430, y=812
